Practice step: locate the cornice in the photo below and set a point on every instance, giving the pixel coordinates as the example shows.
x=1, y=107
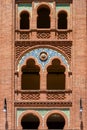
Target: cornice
x=42, y=104
x=57, y=1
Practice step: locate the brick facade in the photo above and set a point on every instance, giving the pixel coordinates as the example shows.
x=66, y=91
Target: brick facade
x=67, y=46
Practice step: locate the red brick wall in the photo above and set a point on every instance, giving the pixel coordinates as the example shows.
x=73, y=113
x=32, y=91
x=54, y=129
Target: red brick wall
x=6, y=60
x=79, y=61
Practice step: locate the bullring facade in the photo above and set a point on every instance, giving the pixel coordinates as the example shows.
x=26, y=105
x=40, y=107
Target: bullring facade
x=43, y=64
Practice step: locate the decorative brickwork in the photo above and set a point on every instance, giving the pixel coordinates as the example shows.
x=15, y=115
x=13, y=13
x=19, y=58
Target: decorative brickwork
x=41, y=45
x=36, y=53
x=64, y=46
x=62, y=95
x=43, y=104
x=30, y=96
x=24, y=35
x=62, y=35
x=43, y=35
x=55, y=96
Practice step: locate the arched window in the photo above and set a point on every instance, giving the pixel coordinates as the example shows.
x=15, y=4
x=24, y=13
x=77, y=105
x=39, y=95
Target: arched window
x=24, y=20
x=56, y=76
x=30, y=121
x=30, y=79
x=56, y=121
x=62, y=20
x=43, y=19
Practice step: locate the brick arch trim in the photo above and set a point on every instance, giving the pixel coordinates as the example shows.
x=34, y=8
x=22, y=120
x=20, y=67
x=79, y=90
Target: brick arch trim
x=29, y=112
x=61, y=63
x=56, y=112
x=44, y=4
x=36, y=47
x=25, y=62
x=62, y=10
x=41, y=46
x=24, y=11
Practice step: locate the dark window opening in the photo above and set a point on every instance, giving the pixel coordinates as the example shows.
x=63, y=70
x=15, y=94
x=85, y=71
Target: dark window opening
x=56, y=76
x=62, y=20
x=30, y=121
x=43, y=19
x=30, y=79
x=55, y=121
x=24, y=20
